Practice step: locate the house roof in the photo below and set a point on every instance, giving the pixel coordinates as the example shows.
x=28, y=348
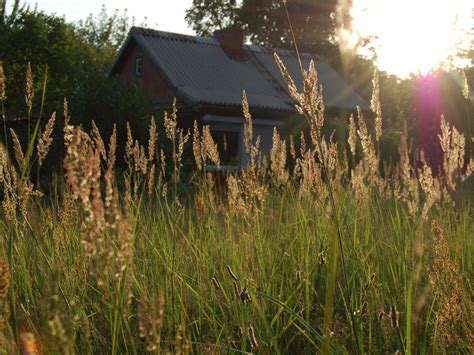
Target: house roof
x=201, y=72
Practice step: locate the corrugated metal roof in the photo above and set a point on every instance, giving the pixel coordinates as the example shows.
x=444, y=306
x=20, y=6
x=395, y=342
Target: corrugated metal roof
x=202, y=72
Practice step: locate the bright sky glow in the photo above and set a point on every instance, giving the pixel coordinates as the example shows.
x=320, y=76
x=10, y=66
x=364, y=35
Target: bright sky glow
x=412, y=36
x=159, y=14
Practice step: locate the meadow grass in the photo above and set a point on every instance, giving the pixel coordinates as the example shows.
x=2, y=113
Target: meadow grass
x=326, y=257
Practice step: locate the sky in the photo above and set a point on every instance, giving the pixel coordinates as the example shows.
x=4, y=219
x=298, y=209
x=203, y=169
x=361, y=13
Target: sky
x=164, y=15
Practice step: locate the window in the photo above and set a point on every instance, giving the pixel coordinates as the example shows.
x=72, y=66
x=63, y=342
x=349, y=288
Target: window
x=139, y=67
x=227, y=146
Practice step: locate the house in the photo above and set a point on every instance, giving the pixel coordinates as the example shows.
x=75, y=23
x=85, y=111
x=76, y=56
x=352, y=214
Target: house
x=207, y=76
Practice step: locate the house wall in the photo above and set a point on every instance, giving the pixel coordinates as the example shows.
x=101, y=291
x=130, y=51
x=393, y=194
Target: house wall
x=152, y=80
x=262, y=127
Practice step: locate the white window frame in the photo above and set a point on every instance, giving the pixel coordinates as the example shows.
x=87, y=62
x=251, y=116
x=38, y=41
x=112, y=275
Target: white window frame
x=138, y=67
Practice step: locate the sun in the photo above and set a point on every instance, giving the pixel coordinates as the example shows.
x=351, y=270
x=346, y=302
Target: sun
x=407, y=37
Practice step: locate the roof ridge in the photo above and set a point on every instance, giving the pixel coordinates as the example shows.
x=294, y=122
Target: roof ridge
x=267, y=75
x=175, y=36
x=211, y=40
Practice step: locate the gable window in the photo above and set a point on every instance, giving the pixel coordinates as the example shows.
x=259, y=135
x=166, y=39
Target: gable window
x=139, y=67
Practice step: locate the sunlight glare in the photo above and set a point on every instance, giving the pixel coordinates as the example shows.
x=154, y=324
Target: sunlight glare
x=412, y=36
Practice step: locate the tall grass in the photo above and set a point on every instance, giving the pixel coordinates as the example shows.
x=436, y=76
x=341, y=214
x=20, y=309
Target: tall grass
x=160, y=263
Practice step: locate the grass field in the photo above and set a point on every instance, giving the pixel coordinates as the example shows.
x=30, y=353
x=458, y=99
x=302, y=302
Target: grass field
x=329, y=256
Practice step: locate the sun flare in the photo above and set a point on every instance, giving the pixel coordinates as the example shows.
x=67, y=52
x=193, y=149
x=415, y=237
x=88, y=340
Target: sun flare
x=411, y=36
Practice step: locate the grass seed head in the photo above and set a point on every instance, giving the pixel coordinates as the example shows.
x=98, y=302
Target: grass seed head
x=231, y=273
x=45, y=140
x=216, y=283
x=3, y=86
x=394, y=317
x=18, y=150
x=4, y=278
x=376, y=106
x=29, y=88
x=28, y=344
x=465, y=86
x=252, y=337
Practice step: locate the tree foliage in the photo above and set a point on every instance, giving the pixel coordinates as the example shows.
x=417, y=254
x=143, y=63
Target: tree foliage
x=66, y=58
x=265, y=22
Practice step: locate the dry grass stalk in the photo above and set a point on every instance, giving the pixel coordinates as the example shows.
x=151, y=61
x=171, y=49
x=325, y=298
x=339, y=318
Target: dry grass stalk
x=4, y=279
x=108, y=236
x=431, y=188
x=150, y=321
x=58, y=332
x=231, y=273
x=29, y=344
x=469, y=169
x=182, y=140
x=3, y=85
x=153, y=137
x=68, y=130
x=45, y=140
x=465, y=85
x=453, y=317
x=376, y=105
x=248, y=125
x=394, y=317
x=370, y=157
x=235, y=199
x=209, y=147
x=292, y=147
x=19, y=156
x=278, y=155
x=171, y=123
x=352, y=140
x=252, y=337
x=407, y=186
x=4, y=285
x=10, y=195
x=216, y=283
x=129, y=145
x=197, y=149
x=309, y=102
x=98, y=141
x=151, y=179
x=453, y=144
x=29, y=88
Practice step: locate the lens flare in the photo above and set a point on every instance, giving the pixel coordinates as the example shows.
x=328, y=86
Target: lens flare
x=410, y=36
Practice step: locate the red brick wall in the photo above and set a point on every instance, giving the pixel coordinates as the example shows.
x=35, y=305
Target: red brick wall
x=152, y=80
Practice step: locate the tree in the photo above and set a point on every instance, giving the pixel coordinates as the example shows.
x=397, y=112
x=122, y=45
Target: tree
x=265, y=22
x=66, y=55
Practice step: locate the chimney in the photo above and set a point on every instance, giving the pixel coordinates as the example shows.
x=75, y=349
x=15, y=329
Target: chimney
x=232, y=41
